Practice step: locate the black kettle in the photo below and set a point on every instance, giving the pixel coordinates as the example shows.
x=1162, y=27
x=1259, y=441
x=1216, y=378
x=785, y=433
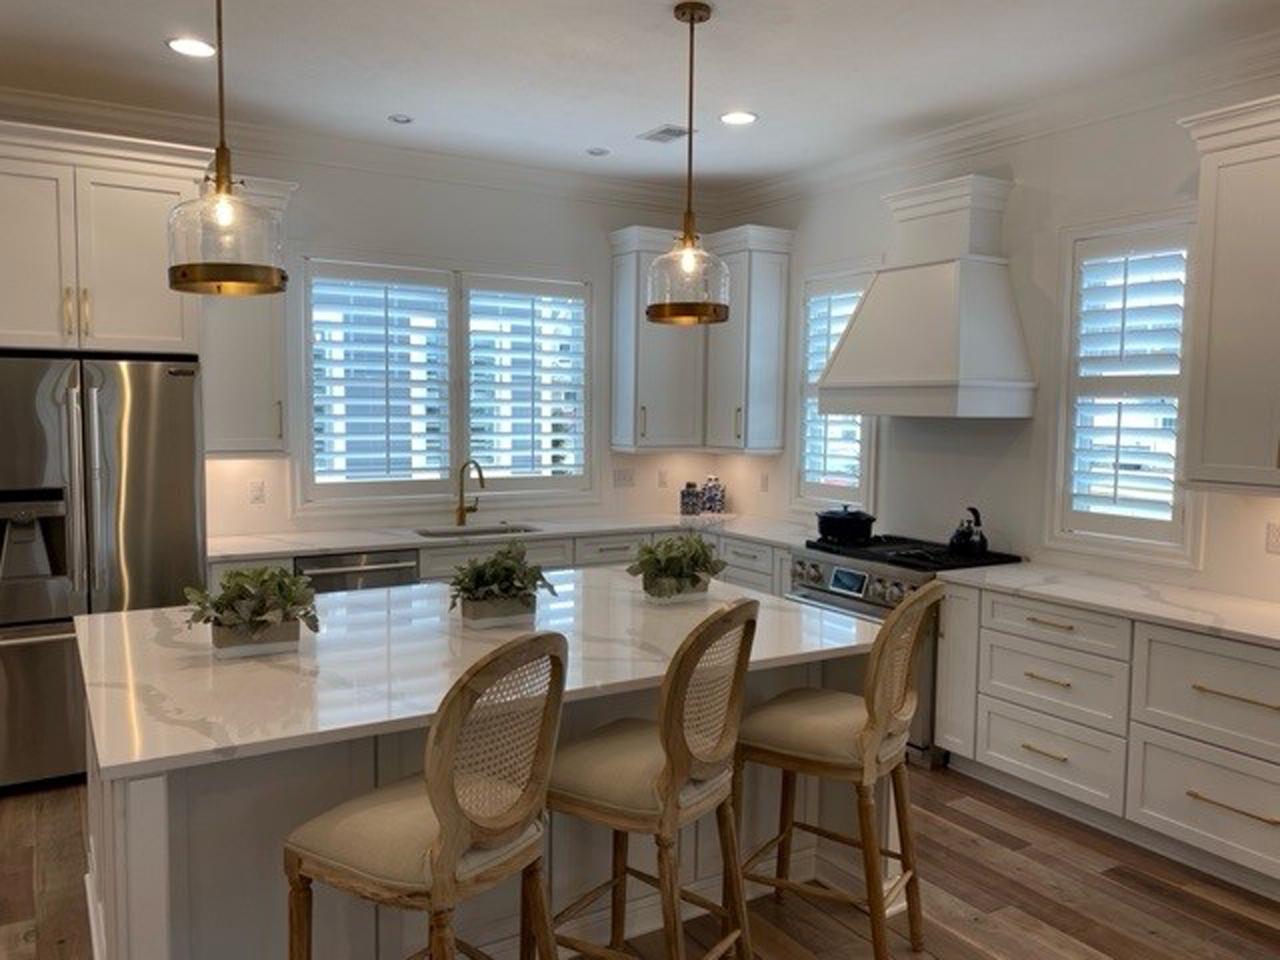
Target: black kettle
x=969, y=540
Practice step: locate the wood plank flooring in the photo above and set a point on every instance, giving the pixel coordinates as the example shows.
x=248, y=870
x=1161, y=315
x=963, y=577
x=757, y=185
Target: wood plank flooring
x=1003, y=879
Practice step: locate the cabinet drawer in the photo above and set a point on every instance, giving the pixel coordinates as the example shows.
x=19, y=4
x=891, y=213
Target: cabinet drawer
x=1064, y=683
x=753, y=579
x=620, y=548
x=218, y=567
x=1213, y=689
x=746, y=554
x=1208, y=797
x=1065, y=757
x=439, y=562
x=1087, y=630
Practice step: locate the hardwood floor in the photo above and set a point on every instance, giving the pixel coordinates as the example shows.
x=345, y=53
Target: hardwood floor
x=1003, y=879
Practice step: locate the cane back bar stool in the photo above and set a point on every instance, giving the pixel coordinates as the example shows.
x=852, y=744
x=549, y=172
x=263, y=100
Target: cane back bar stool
x=856, y=739
x=475, y=816
x=637, y=776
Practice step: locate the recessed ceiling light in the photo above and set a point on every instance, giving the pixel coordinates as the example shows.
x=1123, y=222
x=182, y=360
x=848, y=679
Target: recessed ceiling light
x=597, y=151
x=191, y=47
x=738, y=118
x=400, y=118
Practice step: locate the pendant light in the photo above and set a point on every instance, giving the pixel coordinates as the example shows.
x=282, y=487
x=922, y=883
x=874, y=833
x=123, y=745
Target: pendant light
x=221, y=243
x=689, y=285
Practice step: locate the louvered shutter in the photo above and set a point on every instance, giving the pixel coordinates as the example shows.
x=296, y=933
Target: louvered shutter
x=831, y=456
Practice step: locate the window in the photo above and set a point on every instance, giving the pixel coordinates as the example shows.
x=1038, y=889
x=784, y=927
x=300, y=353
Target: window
x=414, y=371
x=527, y=364
x=834, y=449
x=1124, y=388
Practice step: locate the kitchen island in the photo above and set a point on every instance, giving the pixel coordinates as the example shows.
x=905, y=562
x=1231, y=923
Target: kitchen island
x=200, y=767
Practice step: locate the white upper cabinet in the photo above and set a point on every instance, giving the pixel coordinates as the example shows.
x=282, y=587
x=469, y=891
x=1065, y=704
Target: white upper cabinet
x=1234, y=414
x=37, y=254
x=714, y=387
x=83, y=241
x=122, y=236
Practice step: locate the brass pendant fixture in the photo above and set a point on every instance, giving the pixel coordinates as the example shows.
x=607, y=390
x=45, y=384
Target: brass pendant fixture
x=220, y=243
x=689, y=285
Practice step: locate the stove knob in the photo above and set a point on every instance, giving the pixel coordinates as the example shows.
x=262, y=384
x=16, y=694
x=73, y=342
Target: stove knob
x=874, y=590
x=894, y=593
x=797, y=571
x=815, y=574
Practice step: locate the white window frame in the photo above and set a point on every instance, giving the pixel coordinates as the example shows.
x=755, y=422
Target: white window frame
x=1173, y=543
x=397, y=497
x=809, y=496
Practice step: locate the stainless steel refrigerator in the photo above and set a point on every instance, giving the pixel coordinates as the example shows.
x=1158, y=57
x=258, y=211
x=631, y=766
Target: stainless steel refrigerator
x=101, y=509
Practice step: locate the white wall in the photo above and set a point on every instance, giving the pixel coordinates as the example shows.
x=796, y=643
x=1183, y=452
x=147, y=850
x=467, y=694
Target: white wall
x=929, y=470
x=345, y=211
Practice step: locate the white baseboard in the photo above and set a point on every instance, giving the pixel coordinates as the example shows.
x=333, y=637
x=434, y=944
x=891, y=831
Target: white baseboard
x=1109, y=823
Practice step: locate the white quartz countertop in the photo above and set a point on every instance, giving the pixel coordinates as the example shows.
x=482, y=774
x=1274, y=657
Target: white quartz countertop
x=383, y=659
x=234, y=548
x=1204, y=611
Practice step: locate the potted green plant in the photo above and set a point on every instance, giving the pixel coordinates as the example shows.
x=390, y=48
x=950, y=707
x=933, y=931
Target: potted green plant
x=676, y=568
x=498, y=589
x=257, y=611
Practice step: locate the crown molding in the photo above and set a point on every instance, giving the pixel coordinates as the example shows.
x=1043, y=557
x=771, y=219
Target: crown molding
x=251, y=141
x=1252, y=60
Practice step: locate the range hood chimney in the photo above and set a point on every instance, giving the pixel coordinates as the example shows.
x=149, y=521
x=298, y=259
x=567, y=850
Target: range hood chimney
x=936, y=333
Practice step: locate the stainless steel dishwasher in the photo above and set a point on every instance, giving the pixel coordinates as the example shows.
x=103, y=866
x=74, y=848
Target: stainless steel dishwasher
x=332, y=572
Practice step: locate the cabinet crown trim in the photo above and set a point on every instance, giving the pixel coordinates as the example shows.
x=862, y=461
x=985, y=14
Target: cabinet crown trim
x=57, y=143
x=1232, y=126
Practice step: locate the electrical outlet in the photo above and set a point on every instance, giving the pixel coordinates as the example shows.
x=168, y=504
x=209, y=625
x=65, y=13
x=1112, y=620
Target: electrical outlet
x=624, y=477
x=662, y=478
x=1273, y=538
x=257, y=492
x=764, y=481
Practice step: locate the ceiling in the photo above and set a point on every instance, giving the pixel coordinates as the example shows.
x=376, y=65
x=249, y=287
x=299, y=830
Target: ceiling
x=540, y=82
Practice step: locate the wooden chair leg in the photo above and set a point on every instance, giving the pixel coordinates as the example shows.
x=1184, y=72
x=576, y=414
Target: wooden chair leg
x=443, y=944
x=786, y=820
x=299, y=910
x=669, y=891
x=618, y=895
x=907, y=840
x=735, y=796
x=535, y=917
x=735, y=890
x=871, y=869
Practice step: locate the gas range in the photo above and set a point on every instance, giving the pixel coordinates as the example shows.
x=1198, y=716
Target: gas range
x=873, y=576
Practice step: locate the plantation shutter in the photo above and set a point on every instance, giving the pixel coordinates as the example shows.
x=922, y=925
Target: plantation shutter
x=831, y=448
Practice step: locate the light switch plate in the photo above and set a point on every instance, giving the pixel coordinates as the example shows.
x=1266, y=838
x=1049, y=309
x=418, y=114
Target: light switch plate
x=662, y=478
x=1273, y=538
x=257, y=492
x=624, y=477
x=764, y=481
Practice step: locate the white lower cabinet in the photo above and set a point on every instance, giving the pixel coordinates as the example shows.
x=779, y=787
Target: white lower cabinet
x=956, y=683
x=1215, y=799
x=438, y=563
x=1067, y=758
x=752, y=579
x=615, y=548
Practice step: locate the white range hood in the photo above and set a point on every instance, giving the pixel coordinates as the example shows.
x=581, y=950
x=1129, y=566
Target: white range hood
x=936, y=334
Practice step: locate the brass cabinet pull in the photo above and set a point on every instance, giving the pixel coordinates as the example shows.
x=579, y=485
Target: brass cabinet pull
x=279, y=419
x=1269, y=821
x=1056, y=681
x=69, y=311
x=614, y=548
x=1032, y=748
x=86, y=326
x=1201, y=688
x=737, y=423
x=644, y=421
x=1052, y=624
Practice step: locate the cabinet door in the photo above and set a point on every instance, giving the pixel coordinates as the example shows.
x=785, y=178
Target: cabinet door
x=122, y=237
x=956, y=691
x=37, y=254
x=241, y=345
x=1234, y=435
x=669, y=378
x=727, y=361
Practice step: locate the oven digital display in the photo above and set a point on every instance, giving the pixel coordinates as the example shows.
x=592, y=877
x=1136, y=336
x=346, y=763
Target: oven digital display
x=848, y=582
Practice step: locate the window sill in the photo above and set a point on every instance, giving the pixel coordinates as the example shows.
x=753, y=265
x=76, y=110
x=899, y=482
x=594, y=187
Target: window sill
x=398, y=506
x=1184, y=556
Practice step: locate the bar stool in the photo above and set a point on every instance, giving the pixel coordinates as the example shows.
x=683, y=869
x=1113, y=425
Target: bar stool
x=638, y=776
x=475, y=817
x=858, y=740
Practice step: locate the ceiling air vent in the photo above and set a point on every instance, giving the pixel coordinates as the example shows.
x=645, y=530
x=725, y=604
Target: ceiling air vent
x=665, y=133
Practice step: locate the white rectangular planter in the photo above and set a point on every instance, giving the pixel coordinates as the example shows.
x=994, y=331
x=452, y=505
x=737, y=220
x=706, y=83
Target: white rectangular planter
x=232, y=642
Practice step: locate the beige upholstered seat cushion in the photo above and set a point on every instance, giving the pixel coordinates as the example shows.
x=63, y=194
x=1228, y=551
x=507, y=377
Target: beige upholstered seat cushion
x=385, y=836
x=616, y=768
x=817, y=725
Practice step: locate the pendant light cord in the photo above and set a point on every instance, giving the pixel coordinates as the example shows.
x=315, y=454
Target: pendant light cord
x=688, y=182
x=222, y=111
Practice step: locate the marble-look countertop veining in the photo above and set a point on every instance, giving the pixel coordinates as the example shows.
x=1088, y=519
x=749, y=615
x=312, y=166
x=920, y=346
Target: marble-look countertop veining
x=239, y=547
x=1205, y=611
x=158, y=699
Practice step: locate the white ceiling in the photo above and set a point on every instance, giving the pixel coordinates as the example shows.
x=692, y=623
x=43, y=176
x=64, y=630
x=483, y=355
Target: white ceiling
x=540, y=81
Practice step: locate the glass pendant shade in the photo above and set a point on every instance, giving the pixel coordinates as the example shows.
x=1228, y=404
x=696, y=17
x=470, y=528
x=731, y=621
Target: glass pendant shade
x=688, y=285
x=223, y=244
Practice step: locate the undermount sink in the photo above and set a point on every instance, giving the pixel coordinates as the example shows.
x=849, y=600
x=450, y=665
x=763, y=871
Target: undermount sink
x=492, y=530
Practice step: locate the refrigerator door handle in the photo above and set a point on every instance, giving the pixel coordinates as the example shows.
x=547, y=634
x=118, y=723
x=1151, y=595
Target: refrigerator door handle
x=95, y=482
x=75, y=489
